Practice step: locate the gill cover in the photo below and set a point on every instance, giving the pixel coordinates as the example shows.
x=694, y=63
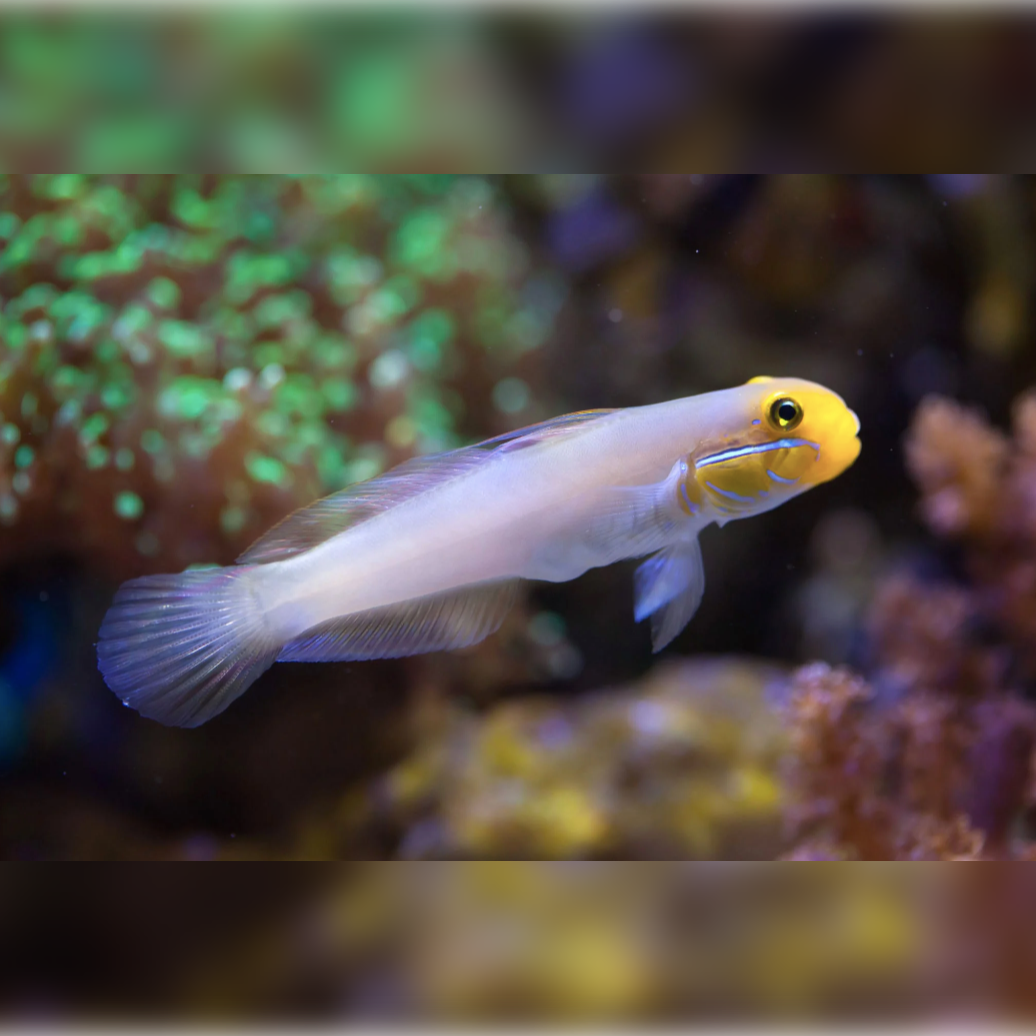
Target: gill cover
x=748, y=478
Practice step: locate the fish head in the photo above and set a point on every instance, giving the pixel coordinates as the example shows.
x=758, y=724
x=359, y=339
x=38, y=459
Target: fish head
x=791, y=408
x=787, y=436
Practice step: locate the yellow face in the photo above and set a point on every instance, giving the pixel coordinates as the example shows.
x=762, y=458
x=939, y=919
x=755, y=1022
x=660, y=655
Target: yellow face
x=813, y=413
x=795, y=435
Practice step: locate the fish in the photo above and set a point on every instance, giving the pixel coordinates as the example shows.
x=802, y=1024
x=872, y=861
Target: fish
x=430, y=555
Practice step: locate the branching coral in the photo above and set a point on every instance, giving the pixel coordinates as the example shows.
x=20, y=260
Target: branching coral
x=187, y=358
x=957, y=460
x=941, y=766
x=981, y=488
x=868, y=783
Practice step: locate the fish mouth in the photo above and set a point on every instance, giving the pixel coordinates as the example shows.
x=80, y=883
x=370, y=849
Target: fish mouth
x=856, y=434
x=854, y=444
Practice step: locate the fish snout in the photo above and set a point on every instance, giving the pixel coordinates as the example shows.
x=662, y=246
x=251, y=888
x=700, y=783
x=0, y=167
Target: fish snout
x=839, y=446
x=851, y=439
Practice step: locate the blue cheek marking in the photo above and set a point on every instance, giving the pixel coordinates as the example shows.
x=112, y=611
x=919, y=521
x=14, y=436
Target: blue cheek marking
x=750, y=451
x=692, y=507
x=736, y=497
x=782, y=481
x=757, y=421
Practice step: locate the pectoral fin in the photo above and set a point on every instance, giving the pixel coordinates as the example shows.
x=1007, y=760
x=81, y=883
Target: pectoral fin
x=631, y=521
x=669, y=588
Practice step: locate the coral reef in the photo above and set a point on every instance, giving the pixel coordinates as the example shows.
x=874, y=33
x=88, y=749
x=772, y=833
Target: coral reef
x=879, y=784
x=188, y=358
x=504, y=949
x=933, y=758
x=541, y=942
x=683, y=764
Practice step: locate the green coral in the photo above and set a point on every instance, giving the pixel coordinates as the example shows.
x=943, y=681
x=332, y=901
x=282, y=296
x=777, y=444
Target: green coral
x=183, y=334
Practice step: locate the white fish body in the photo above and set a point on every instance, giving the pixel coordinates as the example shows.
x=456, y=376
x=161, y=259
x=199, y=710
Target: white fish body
x=519, y=514
x=427, y=556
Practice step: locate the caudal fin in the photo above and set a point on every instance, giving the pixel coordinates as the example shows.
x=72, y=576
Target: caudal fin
x=181, y=648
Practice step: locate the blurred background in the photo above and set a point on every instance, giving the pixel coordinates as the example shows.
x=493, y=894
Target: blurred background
x=391, y=87
x=187, y=358
x=562, y=943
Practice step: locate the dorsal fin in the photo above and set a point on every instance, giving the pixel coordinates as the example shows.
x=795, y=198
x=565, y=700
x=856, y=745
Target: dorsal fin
x=311, y=525
x=533, y=434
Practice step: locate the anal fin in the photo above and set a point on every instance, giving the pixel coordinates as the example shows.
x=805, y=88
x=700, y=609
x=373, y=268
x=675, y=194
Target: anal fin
x=439, y=622
x=669, y=587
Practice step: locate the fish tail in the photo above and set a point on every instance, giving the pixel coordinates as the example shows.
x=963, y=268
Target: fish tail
x=180, y=648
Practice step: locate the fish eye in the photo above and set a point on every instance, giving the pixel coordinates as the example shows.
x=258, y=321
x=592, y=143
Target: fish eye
x=785, y=413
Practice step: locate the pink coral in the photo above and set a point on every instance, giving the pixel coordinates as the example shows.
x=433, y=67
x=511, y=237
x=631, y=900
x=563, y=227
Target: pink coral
x=945, y=768
x=957, y=459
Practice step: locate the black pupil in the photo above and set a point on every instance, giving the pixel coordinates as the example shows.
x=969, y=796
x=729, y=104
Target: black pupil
x=787, y=411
